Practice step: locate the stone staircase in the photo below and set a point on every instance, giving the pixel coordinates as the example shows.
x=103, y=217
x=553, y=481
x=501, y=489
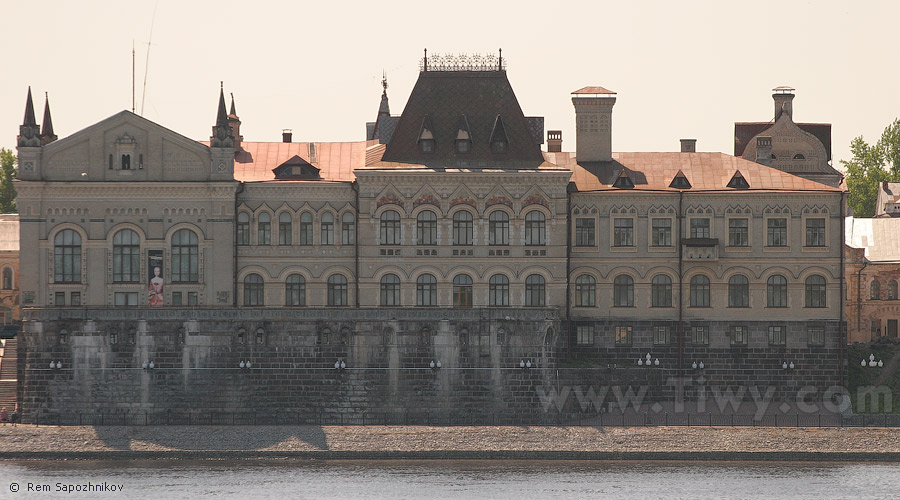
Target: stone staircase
x=8, y=363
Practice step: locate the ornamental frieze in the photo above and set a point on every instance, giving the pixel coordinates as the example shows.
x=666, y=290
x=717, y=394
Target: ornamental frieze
x=498, y=200
x=389, y=199
x=536, y=200
x=426, y=200
x=462, y=200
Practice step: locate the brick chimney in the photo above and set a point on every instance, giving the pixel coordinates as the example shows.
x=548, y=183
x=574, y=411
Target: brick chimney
x=764, y=150
x=554, y=141
x=783, y=97
x=593, y=123
x=688, y=145
x=287, y=135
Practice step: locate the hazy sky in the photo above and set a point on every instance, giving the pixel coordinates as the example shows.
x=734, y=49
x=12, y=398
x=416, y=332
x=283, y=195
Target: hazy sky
x=681, y=69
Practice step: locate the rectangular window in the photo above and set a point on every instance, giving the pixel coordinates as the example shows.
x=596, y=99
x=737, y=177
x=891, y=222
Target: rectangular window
x=176, y=298
x=59, y=299
x=700, y=335
x=660, y=335
x=815, y=232
x=700, y=228
x=623, y=232
x=815, y=335
x=776, y=335
x=126, y=299
x=193, y=298
x=662, y=233
x=584, y=232
x=738, y=335
x=623, y=335
x=584, y=335
x=738, y=232
x=776, y=232
x=75, y=298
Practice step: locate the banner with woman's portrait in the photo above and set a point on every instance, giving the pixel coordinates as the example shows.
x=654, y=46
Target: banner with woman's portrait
x=156, y=298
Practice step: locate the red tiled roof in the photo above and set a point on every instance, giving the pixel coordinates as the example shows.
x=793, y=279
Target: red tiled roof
x=593, y=90
x=705, y=171
x=335, y=160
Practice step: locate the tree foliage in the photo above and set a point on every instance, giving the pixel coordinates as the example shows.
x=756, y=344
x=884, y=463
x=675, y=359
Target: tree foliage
x=7, y=174
x=871, y=165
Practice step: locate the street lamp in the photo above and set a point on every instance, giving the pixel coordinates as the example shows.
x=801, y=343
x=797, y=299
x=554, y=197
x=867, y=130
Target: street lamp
x=872, y=363
x=648, y=362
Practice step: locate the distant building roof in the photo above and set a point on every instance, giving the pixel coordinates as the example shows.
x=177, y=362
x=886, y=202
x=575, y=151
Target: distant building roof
x=704, y=172
x=335, y=160
x=879, y=237
x=887, y=202
x=593, y=90
x=744, y=132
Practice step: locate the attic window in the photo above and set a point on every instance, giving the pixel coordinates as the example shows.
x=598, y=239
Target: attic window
x=426, y=136
x=680, y=181
x=463, y=136
x=623, y=181
x=738, y=182
x=499, y=139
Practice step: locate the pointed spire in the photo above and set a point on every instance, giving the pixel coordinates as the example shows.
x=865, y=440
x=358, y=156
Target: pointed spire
x=29, y=131
x=232, y=112
x=47, y=135
x=384, y=108
x=29, y=110
x=222, y=117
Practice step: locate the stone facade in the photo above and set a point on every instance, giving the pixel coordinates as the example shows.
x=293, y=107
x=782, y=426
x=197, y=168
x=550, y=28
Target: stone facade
x=459, y=242
x=873, y=273
x=10, y=311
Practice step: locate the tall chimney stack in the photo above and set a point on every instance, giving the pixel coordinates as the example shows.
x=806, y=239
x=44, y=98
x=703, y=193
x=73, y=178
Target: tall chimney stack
x=764, y=150
x=783, y=97
x=593, y=123
x=286, y=135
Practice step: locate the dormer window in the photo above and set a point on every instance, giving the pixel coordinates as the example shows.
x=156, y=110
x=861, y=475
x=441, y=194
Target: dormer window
x=463, y=136
x=426, y=136
x=623, y=181
x=499, y=140
x=738, y=181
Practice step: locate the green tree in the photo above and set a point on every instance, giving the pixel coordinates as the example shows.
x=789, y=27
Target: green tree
x=7, y=174
x=871, y=165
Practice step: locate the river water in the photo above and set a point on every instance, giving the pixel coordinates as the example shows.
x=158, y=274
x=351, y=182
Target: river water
x=446, y=480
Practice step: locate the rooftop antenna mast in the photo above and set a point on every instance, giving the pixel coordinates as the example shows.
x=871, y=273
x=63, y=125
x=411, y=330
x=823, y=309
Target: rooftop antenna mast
x=132, y=75
x=147, y=64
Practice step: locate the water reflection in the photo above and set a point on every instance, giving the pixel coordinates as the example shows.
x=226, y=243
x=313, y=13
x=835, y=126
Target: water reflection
x=512, y=479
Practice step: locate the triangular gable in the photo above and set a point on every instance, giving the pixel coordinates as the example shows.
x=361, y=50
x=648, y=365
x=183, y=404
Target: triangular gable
x=738, y=182
x=680, y=181
x=623, y=181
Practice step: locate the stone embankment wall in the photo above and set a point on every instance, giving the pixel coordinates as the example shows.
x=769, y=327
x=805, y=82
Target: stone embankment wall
x=105, y=355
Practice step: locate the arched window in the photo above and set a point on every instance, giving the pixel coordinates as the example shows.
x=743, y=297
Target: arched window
x=623, y=291
x=875, y=290
x=892, y=290
x=390, y=290
x=426, y=228
x=535, y=228
x=253, y=290
x=264, y=229
x=498, y=228
x=498, y=290
x=661, y=291
x=185, y=257
x=462, y=291
x=776, y=291
x=67, y=257
x=285, y=222
x=426, y=291
x=7, y=278
x=535, y=291
x=327, y=229
x=306, y=228
x=243, y=229
x=462, y=228
x=126, y=257
x=815, y=291
x=348, y=229
x=700, y=291
x=337, y=290
x=295, y=290
x=390, y=227
x=585, y=291
x=738, y=291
